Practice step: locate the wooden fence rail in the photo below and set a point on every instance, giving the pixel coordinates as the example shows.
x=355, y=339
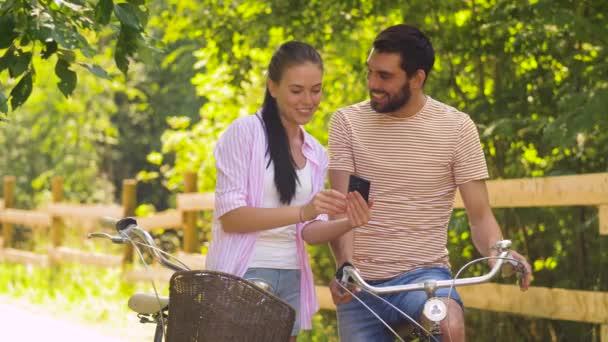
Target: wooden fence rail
x=551, y=303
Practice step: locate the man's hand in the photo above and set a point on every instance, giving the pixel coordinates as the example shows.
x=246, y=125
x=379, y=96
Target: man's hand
x=526, y=277
x=358, y=212
x=338, y=294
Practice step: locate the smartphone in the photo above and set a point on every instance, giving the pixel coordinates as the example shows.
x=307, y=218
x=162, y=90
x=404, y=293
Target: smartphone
x=356, y=183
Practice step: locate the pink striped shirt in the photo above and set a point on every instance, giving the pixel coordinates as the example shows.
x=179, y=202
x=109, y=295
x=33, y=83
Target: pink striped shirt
x=240, y=163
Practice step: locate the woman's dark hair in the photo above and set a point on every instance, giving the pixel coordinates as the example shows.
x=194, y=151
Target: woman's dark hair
x=285, y=177
x=411, y=44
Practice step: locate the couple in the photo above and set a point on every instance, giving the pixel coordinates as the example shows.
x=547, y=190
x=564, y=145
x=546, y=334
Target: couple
x=416, y=152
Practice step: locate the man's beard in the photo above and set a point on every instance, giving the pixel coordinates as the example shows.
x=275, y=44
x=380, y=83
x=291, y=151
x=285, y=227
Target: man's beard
x=394, y=102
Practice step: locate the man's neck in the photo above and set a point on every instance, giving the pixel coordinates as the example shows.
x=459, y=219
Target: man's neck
x=413, y=107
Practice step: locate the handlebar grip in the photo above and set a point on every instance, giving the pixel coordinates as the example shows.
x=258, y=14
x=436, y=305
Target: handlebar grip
x=512, y=267
x=125, y=223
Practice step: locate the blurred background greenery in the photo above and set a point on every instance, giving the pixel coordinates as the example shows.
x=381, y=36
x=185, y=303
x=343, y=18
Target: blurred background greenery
x=101, y=91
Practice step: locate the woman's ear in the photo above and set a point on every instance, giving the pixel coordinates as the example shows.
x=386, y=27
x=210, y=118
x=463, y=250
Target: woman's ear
x=272, y=88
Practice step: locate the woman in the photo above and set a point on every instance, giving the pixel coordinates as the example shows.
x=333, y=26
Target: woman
x=269, y=192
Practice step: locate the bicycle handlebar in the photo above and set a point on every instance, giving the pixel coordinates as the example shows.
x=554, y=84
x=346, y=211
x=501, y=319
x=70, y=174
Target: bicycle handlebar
x=503, y=258
x=127, y=230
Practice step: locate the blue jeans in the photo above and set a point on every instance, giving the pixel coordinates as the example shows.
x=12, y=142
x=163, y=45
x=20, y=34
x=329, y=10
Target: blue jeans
x=285, y=285
x=357, y=324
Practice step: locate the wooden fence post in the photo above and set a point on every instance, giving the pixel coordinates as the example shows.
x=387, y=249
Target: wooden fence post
x=9, y=199
x=603, y=221
x=189, y=217
x=128, y=204
x=604, y=332
x=56, y=221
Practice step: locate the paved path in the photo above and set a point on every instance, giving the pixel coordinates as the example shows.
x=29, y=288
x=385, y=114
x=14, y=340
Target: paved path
x=19, y=324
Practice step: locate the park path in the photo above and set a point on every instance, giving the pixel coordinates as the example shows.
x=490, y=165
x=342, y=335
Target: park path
x=22, y=324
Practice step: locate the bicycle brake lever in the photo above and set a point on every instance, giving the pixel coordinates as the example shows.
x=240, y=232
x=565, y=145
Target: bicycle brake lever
x=513, y=267
x=113, y=238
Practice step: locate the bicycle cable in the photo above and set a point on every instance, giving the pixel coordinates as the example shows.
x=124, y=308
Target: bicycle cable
x=372, y=311
x=158, y=249
x=398, y=310
x=147, y=267
x=452, y=286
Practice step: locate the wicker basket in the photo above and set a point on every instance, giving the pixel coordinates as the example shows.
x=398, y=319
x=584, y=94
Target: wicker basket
x=214, y=306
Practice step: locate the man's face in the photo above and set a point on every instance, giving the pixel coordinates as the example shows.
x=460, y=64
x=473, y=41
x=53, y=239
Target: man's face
x=388, y=84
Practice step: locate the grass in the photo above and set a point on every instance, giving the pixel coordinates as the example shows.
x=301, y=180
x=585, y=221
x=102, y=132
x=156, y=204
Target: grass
x=93, y=297
x=97, y=298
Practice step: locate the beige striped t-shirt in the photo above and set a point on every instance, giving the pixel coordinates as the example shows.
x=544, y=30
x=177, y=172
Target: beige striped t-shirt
x=414, y=165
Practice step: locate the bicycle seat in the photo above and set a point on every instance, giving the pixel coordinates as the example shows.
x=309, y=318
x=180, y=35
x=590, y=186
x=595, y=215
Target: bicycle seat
x=147, y=303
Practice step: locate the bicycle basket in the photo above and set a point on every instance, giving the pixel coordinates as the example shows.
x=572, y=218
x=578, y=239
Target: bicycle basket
x=215, y=306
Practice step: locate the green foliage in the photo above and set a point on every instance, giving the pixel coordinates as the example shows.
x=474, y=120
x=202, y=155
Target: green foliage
x=62, y=27
x=56, y=136
x=531, y=75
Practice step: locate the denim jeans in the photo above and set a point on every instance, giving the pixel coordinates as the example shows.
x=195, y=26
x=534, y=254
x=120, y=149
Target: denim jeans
x=357, y=324
x=285, y=285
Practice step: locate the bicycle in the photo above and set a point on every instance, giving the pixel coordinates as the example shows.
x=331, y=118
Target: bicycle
x=435, y=310
x=203, y=305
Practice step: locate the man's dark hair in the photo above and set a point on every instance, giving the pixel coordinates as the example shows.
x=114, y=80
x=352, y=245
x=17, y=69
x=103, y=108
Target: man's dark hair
x=411, y=44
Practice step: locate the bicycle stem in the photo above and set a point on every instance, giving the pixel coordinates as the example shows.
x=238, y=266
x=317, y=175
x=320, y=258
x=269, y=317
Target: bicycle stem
x=128, y=229
x=147, y=238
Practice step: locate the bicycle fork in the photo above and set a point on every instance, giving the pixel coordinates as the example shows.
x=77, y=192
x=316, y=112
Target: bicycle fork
x=160, y=319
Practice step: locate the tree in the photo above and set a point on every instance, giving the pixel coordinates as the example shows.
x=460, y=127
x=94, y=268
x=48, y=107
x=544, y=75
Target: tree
x=63, y=29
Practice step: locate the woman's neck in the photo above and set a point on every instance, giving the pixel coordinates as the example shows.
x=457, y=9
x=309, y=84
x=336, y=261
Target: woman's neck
x=293, y=131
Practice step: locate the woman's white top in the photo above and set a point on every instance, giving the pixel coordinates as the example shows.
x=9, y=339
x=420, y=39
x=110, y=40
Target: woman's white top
x=276, y=248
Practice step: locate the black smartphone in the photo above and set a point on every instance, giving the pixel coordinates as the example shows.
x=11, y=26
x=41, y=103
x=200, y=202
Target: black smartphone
x=356, y=183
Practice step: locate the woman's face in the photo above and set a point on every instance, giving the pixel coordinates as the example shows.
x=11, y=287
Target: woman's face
x=298, y=93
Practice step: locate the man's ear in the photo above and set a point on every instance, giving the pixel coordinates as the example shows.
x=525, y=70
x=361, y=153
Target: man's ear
x=418, y=80
x=272, y=87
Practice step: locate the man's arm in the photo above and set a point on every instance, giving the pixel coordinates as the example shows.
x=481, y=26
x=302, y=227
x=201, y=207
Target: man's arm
x=341, y=247
x=485, y=231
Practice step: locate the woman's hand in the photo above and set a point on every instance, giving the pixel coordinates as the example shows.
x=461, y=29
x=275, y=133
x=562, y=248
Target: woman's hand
x=329, y=202
x=358, y=211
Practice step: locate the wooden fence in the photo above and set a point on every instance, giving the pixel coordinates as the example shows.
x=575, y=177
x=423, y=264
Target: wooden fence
x=542, y=302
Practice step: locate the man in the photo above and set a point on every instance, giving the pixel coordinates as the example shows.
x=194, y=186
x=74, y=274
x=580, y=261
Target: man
x=417, y=152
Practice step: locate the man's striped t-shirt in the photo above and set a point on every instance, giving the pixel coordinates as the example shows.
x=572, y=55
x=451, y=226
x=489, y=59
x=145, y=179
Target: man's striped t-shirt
x=415, y=165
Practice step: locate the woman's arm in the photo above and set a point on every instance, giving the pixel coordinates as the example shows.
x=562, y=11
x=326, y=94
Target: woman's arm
x=358, y=213
x=250, y=219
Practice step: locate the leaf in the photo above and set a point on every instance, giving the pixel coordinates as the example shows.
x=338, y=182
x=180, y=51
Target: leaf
x=67, y=77
x=3, y=104
x=7, y=59
x=22, y=90
x=74, y=7
x=7, y=31
x=67, y=55
x=127, y=16
x=19, y=63
x=122, y=62
x=96, y=70
x=50, y=47
x=125, y=47
x=103, y=11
